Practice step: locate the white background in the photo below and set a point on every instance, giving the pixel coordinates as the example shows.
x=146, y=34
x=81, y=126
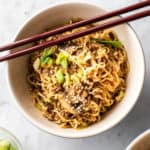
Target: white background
x=12, y=14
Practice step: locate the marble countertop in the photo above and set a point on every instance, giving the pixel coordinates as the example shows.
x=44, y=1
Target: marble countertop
x=12, y=14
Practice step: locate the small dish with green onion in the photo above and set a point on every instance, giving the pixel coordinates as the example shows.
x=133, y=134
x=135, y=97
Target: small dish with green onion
x=8, y=141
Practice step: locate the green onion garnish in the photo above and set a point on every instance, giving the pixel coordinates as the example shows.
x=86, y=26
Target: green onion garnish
x=115, y=44
x=62, y=60
x=45, y=58
x=60, y=76
x=49, y=51
x=46, y=61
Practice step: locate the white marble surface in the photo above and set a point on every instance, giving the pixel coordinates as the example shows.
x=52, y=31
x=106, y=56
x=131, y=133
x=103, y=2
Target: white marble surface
x=12, y=14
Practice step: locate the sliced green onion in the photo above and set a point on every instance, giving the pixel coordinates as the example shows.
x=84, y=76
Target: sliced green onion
x=46, y=61
x=12, y=148
x=60, y=56
x=64, y=63
x=6, y=145
x=62, y=60
x=60, y=76
x=49, y=51
x=43, y=61
x=45, y=58
x=50, y=61
x=115, y=44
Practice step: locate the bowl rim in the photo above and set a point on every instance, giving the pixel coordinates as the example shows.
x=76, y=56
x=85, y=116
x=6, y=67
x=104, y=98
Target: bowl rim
x=33, y=121
x=137, y=139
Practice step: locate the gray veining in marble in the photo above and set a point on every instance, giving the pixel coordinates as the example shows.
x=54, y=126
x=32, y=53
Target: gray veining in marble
x=12, y=14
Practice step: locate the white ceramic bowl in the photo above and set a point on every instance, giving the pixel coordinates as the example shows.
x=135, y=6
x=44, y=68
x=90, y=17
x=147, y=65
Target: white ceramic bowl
x=142, y=142
x=17, y=69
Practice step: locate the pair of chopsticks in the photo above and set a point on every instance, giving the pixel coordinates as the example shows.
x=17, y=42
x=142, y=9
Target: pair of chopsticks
x=62, y=39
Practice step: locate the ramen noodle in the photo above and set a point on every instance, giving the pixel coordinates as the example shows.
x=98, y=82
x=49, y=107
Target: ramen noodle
x=76, y=82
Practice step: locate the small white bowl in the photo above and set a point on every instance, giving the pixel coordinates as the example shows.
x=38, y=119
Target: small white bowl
x=142, y=142
x=55, y=15
x=8, y=136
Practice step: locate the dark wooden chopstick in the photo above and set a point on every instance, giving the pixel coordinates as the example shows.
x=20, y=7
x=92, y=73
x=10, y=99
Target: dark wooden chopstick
x=78, y=34
x=75, y=25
